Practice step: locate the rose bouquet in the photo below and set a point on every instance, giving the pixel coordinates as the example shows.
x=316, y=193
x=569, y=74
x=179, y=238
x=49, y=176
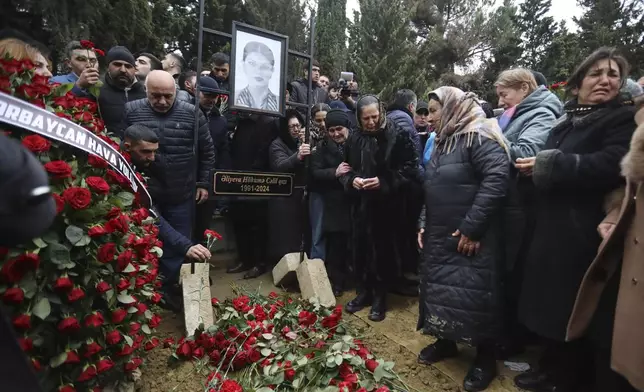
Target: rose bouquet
x=559, y=89
x=82, y=297
x=273, y=343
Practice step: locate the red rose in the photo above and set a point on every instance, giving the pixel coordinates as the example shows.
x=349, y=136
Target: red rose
x=89, y=372
x=69, y=325
x=106, y=252
x=84, y=117
x=104, y=365
x=371, y=365
x=60, y=203
x=156, y=298
x=63, y=115
x=15, y=269
x=78, y=198
x=113, y=213
x=113, y=337
x=5, y=84
x=66, y=388
x=134, y=328
x=59, y=169
x=155, y=321
x=254, y=355
x=98, y=231
x=97, y=162
x=240, y=303
x=26, y=344
x=307, y=319
x=123, y=284
x=125, y=351
x=124, y=259
x=94, y=320
x=103, y=287
x=63, y=283
x=119, y=223
x=22, y=321
x=36, y=364
x=141, y=308
x=289, y=374
x=230, y=386
x=167, y=342
x=215, y=356
x=198, y=352
x=36, y=143
x=118, y=178
x=118, y=315
x=214, y=301
x=98, y=185
x=184, y=350
x=72, y=358
x=65, y=102
x=151, y=344
x=13, y=295
x=133, y=364
x=92, y=348
x=75, y=294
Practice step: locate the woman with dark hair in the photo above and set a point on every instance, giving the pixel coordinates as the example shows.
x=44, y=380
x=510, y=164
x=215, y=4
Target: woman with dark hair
x=316, y=204
x=462, y=234
x=258, y=65
x=577, y=168
x=379, y=159
x=286, y=217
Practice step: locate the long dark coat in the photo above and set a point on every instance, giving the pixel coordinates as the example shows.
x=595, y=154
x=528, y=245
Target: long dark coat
x=337, y=208
x=572, y=175
x=461, y=296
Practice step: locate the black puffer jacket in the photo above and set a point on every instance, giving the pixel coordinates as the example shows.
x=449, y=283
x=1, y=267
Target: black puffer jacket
x=176, y=143
x=301, y=86
x=112, y=100
x=460, y=296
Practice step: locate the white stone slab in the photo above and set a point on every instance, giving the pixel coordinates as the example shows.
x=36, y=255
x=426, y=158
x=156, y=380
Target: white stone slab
x=314, y=282
x=284, y=271
x=197, y=306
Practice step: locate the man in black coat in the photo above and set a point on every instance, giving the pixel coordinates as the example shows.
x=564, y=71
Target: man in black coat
x=120, y=87
x=301, y=89
x=189, y=162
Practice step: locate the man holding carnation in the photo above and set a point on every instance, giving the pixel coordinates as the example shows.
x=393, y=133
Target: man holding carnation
x=83, y=64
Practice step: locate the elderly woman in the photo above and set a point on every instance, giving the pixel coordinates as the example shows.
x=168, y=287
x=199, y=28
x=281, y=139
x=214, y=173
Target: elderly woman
x=380, y=159
x=465, y=185
x=573, y=174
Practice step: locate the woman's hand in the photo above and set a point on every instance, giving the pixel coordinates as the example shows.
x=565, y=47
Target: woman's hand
x=303, y=151
x=465, y=245
x=371, y=184
x=525, y=165
x=358, y=183
x=343, y=169
x=605, y=229
x=420, y=238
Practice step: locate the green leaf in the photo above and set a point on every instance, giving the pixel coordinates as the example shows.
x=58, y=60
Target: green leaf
x=125, y=299
x=42, y=308
x=336, y=346
x=29, y=286
x=126, y=198
x=266, y=352
x=83, y=241
x=148, y=315
x=51, y=237
x=109, y=294
x=389, y=366
x=58, y=360
x=338, y=359
x=267, y=371
x=278, y=379
x=267, y=336
x=157, y=251
x=130, y=268
x=74, y=234
x=146, y=329
x=379, y=373
x=39, y=243
x=94, y=90
x=302, y=361
x=128, y=340
x=132, y=310
x=58, y=253
x=264, y=389
x=298, y=381
x=63, y=89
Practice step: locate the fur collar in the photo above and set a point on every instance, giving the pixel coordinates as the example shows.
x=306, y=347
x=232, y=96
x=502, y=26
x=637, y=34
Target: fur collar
x=633, y=162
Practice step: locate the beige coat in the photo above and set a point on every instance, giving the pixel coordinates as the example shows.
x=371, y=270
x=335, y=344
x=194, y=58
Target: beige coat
x=626, y=210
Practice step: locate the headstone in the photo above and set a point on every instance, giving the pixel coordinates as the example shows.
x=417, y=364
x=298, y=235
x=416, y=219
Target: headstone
x=314, y=282
x=197, y=306
x=284, y=271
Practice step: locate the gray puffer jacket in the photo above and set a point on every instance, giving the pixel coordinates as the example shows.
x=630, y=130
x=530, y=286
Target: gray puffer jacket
x=531, y=123
x=176, y=144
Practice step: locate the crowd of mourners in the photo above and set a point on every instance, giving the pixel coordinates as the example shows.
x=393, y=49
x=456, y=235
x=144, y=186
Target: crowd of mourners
x=516, y=229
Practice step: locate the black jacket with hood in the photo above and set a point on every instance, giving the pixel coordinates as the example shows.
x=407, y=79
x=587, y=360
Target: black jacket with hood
x=112, y=100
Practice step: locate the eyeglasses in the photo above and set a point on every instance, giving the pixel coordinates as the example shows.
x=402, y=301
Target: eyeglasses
x=294, y=126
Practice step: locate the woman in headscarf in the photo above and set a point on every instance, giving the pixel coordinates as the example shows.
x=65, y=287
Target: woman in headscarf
x=379, y=159
x=462, y=235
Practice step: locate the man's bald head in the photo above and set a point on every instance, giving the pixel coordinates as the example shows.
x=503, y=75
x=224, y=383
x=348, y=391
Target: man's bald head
x=161, y=90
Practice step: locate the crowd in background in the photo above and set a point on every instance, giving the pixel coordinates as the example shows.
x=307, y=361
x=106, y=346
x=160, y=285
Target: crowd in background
x=514, y=230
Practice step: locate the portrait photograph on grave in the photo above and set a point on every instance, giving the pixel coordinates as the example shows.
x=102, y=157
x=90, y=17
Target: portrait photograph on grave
x=258, y=65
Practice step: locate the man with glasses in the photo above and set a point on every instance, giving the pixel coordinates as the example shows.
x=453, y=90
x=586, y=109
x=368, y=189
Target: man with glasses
x=84, y=69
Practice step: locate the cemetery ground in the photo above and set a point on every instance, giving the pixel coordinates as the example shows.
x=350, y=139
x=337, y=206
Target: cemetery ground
x=394, y=339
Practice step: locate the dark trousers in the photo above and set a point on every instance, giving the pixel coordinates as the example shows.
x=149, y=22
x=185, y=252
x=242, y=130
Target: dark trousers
x=179, y=216
x=406, y=245
x=373, y=250
x=203, y=219
x=606, y=379
x=337, y=258
x=250, y=223
x=568, y=363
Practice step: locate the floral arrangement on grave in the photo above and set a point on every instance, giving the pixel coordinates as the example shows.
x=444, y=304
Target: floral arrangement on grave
x=559, y=89
x=82, y=297
x=265, y=344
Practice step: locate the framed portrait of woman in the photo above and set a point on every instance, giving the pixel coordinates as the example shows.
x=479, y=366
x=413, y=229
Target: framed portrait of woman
x=258, y=70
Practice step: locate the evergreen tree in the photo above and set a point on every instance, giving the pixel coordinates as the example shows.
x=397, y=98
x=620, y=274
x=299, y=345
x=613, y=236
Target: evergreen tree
x=536, y=29
x=561, y=56
x=330, y=40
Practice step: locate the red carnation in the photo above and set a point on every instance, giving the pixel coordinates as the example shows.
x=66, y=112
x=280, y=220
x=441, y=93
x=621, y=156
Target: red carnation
x=60, y=203
x=36, y=143
x=211, y=233
x=77, y=197
x=69, y=325
x=230, y=386
x=89, y=372
x=99, y=52
x=103, y=287
x=66, y=388
x=64, y=283
x=97, y=162
x=75, y=294
x=118, y=315
x=155, y=321
x=59, y=169
x=13, y=295
x=113, y=337
x=98, y=185
x=94, y=320
x=92, y=348
x=106, y=252
x=104, y=365
x=86, y=44
x=72, y=358
x=22, y=321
